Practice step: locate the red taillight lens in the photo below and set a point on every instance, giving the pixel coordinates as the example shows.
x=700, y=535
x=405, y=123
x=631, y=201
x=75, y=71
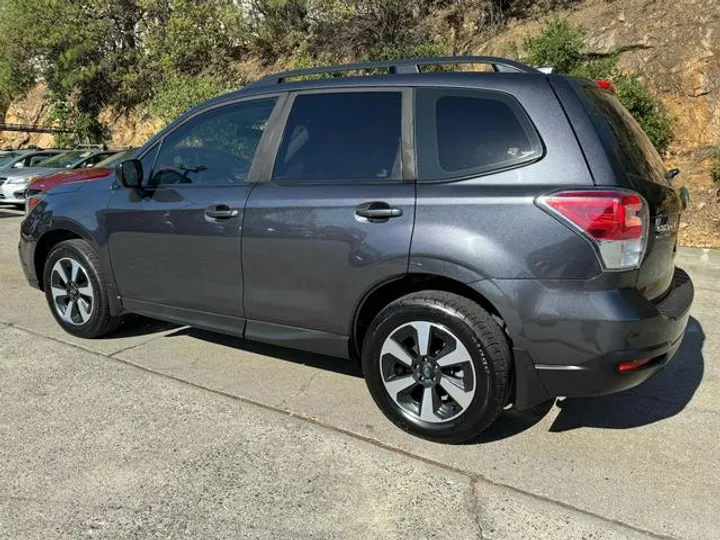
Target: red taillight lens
x=602, y=215
x=606, y=85
x=616, y=221
x=633, y=365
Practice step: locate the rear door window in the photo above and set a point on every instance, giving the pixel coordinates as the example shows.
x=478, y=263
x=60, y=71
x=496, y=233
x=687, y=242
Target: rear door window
x=464, y=133
x=622, y=136
x=342, y=137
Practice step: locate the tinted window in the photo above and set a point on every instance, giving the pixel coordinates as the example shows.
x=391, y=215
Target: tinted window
x=461, y=133
x=622, y=135
x=342, y=137
x=35, y=160
x=214, y=148
x=94, y=160
x=65, y=160
x=8, y=157
x=114, y=159
x=148, y=161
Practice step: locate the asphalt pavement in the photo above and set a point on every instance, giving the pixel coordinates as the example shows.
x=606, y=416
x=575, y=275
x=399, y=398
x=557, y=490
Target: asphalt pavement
x=163, y=431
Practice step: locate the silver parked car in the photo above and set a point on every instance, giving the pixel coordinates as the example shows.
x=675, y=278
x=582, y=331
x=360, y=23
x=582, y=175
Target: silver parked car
x=19, y=159
x=14, y=182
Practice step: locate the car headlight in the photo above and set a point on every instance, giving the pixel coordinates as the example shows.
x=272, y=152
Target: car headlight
x=20, y=180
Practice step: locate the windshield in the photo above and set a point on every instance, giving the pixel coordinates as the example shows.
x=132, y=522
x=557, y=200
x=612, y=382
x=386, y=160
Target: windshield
x=8, y=157
x=116, y=158
x=65, y=160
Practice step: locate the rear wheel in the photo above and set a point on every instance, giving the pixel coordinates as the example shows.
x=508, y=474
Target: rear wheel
x=437, y=365
x=75, y=292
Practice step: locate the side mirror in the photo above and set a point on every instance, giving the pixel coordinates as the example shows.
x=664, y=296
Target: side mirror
x=130, y=173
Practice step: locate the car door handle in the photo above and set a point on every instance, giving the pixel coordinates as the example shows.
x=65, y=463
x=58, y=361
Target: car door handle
x=378, y=210
x=221, y=211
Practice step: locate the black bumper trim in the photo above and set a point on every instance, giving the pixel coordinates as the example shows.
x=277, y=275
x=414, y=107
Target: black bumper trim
x=535, y=383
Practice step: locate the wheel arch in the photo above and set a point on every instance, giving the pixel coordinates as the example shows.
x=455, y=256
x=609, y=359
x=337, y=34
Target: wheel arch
x=59, y=230
x=383, y=293
x=70, y=230
x=45, y=245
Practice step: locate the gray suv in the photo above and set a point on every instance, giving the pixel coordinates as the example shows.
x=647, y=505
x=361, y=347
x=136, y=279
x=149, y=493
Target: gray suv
x=474, y=239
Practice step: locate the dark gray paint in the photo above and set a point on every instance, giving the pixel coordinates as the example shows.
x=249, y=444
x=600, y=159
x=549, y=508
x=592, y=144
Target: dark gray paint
x=308, y=257
x=602, y=154
x=165, y=250
x=301, y=261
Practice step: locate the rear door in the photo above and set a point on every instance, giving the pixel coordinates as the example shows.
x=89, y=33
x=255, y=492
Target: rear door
x=335, y=219
x=636, y=161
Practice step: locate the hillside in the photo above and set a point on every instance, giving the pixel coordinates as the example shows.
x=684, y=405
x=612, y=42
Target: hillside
x=674, y=47
x=671, y=45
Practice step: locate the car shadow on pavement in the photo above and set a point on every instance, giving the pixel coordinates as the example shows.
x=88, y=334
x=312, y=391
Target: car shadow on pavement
x=512, y=422
x=329, y=363
x=4, y=214
x=137, y=325
x=661, y=397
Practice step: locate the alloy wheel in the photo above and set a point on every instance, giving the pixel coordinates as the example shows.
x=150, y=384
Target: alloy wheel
x=72, y=291
x=427, y=372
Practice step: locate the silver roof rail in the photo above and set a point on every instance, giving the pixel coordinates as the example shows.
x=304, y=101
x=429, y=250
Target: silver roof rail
x=410, y=65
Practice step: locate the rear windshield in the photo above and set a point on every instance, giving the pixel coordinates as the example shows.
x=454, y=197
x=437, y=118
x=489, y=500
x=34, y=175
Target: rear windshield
x=622, y=135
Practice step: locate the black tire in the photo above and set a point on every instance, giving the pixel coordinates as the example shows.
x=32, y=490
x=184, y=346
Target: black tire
x=100, y=321
x=481, y=337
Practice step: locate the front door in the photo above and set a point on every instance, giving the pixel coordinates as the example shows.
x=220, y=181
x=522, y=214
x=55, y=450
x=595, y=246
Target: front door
x=175, y=244
x=335, y=219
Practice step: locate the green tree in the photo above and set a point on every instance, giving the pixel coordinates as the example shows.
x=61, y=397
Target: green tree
x=561, y=47
x=183, y=92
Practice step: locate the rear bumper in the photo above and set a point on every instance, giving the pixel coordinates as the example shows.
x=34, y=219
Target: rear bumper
x=601, y=376
x=574, y=349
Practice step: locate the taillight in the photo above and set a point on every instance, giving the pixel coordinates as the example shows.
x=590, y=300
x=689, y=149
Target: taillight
x=606, y=85
x=634, y=365
x=616, y=222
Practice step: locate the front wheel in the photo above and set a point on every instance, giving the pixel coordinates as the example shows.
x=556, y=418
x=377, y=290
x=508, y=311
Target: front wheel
x=437, y=365
x=76, y=292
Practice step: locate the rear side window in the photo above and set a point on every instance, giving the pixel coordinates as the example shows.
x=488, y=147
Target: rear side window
x=471, y=132
x=622, y=136
x=342, y=137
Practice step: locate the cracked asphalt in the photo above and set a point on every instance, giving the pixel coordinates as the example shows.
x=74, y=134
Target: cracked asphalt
x=168, y=432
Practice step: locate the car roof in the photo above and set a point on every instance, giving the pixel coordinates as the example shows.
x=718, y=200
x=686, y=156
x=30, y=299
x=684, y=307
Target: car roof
x=506, y=74
x=404, y=73
x=485, y=80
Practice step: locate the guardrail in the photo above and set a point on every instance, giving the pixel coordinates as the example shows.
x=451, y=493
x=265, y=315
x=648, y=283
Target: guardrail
x=32, y=128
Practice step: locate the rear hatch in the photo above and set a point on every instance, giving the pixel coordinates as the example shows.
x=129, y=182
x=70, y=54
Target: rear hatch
x=641, y=168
